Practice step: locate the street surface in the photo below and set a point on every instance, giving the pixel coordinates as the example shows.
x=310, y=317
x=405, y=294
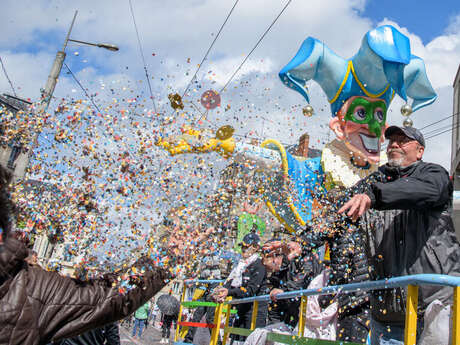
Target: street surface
x=150, y=336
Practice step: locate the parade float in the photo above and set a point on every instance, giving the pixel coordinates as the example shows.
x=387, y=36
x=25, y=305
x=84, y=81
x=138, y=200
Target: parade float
x=359, y=89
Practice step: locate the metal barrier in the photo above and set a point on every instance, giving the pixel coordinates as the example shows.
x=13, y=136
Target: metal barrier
x=194, y=304
x=410, y=334
x=412, y=282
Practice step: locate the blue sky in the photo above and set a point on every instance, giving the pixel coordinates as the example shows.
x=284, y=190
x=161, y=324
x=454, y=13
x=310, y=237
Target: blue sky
x=427, y=19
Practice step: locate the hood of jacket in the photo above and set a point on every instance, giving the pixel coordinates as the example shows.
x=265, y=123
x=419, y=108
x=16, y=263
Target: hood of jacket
x=12, y=255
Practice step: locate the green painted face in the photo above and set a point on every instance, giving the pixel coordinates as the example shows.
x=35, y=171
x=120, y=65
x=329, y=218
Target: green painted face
x=372, y=113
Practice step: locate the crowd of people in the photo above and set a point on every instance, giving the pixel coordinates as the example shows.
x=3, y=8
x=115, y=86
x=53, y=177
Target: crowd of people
x=394, y=222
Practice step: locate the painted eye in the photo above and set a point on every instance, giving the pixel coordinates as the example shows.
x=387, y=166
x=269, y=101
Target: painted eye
x=378, y=114
x=359, y=113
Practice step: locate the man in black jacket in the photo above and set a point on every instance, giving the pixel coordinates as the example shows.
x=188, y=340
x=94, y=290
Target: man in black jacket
x=414, y=233
x=247, y=279
x=290, y=271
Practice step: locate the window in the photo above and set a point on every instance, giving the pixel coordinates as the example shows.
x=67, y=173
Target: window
x=15, y=151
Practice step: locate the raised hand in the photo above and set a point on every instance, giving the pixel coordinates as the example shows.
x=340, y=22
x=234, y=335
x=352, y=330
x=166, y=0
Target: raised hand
x=356, y=206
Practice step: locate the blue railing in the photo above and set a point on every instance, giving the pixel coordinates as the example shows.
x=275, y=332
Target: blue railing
x=416, y=280
x=412, y=282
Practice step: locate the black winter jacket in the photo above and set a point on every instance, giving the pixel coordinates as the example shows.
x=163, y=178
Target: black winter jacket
x=254, y=283
x=293, y=275
x=413, y=234
x=348, y=257
x=37, y=307
x=107, y=335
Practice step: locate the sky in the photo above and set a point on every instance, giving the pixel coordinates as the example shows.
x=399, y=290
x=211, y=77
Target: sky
x=426, y=19
x=175, y=35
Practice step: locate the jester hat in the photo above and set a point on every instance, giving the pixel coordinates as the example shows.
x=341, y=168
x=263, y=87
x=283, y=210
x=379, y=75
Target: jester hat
x=382, y=67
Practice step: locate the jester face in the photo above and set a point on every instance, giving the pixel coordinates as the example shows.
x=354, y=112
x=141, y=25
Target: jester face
x=360, y=123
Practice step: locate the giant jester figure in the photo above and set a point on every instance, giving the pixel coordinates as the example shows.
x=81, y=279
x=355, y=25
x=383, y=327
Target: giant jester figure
x=359, y=90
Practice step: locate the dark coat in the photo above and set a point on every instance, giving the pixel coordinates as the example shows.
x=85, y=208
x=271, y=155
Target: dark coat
x=414, y=234
x=107, y=335
x=37, y=307
x=254, y=284
x=293, y=275
x=347, y=248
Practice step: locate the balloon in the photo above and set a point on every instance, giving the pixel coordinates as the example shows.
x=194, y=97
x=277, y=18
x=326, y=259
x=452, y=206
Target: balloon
x=210, y=99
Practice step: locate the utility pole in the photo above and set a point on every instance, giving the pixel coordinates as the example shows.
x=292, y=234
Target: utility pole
x=47, y=93
x=55, y=71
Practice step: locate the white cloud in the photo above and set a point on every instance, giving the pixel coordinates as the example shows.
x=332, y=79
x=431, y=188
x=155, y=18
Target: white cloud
x=454, y=24
x=441, y=55
x=176, y=30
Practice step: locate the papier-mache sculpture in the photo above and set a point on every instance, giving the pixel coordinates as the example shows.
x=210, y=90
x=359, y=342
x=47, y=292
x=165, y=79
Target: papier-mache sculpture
x=359, y=90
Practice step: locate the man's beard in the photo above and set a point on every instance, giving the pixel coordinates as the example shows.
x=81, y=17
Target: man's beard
x=396, y=162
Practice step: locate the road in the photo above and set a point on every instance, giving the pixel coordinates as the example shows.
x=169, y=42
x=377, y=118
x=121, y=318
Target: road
x=151, y=336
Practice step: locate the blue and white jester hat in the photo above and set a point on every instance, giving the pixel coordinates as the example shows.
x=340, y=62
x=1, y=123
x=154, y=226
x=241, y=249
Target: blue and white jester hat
x=383, y=65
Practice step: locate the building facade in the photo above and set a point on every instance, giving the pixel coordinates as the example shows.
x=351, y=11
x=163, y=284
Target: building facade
x=12, y=154
x=455, y=152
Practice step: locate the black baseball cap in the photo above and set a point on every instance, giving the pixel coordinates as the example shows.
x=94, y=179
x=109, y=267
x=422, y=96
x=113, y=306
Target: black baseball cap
x=410, y=132
x=250, y=239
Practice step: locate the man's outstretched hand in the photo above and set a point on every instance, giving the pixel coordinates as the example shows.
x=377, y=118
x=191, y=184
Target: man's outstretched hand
x=291, y=249
x=356, y=206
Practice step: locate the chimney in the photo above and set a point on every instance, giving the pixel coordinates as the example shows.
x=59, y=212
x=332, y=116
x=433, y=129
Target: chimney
x=302, y=149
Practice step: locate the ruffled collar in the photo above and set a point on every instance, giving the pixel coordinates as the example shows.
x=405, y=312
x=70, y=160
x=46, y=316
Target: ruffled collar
x=339, y=169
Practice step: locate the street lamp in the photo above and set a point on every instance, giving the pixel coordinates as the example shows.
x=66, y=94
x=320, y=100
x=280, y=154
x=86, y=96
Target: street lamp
x=59, y=61
x=107, y=46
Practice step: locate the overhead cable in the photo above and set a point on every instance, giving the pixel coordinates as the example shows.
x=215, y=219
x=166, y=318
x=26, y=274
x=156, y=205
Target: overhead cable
x=255, y=46
x=7, y=77
x=143, y=58
x=210, y=47
x=84, y=90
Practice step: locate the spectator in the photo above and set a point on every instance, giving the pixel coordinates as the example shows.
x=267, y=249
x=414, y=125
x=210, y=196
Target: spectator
x=166, y=324
x=348, y=263
x=413, y=234
x=106, y=335
x=155, y=313
x=200, y=312
x=247, y=279
x=32, y=258
x=290, y=271
x=140, y=319
x=37, y=307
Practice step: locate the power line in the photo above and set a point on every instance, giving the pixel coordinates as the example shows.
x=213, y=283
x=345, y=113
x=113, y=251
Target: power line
x=441, y=128
x=252, y=50
x=210, y=47
x=256, y=45
x=433, y=123
x=447, y=130
x=8, y=78
x=143, y=58
x=432, y=134
x=84, y=90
